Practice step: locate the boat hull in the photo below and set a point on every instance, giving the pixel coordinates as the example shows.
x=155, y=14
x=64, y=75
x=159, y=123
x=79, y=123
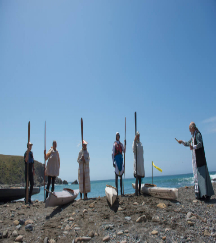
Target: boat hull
x=111, y=195
x=15, y=193
x=60, y=198
x=159, y=192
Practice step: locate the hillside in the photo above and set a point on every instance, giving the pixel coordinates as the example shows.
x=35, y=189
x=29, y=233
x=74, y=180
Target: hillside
x=12, y=171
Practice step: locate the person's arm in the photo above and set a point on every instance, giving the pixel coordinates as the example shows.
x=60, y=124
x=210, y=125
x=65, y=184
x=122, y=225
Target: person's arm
x=46, y=156
x=79, y=159
x=59, y=160
x=133, y=147
x=185, y=143
x=26, y=156
x=113, y=152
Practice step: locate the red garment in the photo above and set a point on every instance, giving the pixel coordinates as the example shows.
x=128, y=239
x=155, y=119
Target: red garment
x=118, y=148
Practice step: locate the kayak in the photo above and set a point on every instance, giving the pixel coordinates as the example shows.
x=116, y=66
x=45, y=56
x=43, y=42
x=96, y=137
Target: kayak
x=160, y=192
x=111, y=194
x=60, y=198
x=15, y=193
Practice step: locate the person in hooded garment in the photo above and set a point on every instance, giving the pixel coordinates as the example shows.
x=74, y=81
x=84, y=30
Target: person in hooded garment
x=83, y=160
x=202, y=182
x=138, y=149
x=117, y=158
x=53, y=166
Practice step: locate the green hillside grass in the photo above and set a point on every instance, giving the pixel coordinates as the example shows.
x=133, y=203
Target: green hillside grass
x=12, y=170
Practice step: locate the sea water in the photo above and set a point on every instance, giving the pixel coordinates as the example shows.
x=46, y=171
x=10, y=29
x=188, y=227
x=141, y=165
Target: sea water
x=98, y=187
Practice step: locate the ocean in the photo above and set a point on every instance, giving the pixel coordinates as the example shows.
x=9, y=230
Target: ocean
x=98, y=187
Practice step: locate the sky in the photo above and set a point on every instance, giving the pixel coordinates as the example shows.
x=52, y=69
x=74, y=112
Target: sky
x=102, y=60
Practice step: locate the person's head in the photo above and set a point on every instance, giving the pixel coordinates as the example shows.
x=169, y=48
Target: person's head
x=84, y=145
x=54, y=144
x=29, y=145
x=137, y=136
x=192, y=127
x=117, y=136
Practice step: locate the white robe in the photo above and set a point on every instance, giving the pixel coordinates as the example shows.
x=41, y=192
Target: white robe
x=140, y=159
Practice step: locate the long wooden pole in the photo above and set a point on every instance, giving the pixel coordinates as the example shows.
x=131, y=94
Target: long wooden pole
x=83, y=162
x=136, y=191
x=124, y=155
x=44, y=158
x=27, y=177
x=152, y=172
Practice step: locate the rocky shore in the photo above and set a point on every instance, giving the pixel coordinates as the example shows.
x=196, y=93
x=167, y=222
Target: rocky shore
x=131, y=219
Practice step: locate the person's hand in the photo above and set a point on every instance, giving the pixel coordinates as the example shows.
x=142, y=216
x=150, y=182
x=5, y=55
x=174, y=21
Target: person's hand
x=191, y=147
x=45, y=153
x=180, y=141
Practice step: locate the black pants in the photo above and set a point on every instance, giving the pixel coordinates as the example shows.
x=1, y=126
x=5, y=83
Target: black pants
x=139, y=182
x=116, y=182
x=48, y=185
x=31, y=179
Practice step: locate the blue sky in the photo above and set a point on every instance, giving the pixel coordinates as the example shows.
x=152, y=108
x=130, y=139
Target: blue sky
x=102, y=61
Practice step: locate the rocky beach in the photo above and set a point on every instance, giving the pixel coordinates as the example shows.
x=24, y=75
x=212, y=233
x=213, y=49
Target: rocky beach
x=130, y=219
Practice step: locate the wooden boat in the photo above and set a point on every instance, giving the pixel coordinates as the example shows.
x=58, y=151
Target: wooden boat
x=160, y=192
x=60, y=198
x=15, y=193
x=111, y=194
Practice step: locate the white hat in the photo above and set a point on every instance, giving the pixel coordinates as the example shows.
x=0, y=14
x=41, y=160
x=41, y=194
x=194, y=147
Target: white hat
x=84, y=142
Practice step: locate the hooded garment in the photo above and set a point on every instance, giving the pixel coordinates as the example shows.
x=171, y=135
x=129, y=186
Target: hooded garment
x=140, y=158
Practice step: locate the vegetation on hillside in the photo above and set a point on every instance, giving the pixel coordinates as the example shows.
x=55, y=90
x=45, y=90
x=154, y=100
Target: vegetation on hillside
x=12, y=171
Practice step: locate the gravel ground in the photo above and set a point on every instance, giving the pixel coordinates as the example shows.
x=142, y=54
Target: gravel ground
x=130, y=219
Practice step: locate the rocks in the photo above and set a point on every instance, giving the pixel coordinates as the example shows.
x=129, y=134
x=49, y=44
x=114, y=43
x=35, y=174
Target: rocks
x=156, y=219
x=52, y=241
x=135, y=203
x=85, y=211
x=5, y=234
x=141, y=219
x=92, y=205
x=120, y=233
x=81, y=239
x=46, y=240
x=14, y=234
x=22, y=221
x=18, y=227
x=126, y=231
x=91, y=234
x=164, y=238
x=16, y=222
x=128, y=218
x=207, y=233
x=161, y=205
x=29, y=221
x=67, y=227
x=109, y=227
x=167, y=229
x=190, y=223
x=106, y=238
x=120, y=209
x=195, y=201
x=154, y=232
x=189, y=214
x=75, y=182
x=71, y=219
x=76, y=228
x=19, y=238
x=29, y=227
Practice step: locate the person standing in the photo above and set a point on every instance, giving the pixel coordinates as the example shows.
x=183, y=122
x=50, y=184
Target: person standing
x=138, y=148
x=53, y=166
x=28, y=158
x=202, y=182
x=83, y=160
x=117, y=158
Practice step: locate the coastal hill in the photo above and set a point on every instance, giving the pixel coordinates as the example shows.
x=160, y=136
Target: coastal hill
x=12, y=171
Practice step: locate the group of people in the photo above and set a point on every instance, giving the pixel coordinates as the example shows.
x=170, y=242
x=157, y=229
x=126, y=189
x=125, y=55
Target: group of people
x=202, y=182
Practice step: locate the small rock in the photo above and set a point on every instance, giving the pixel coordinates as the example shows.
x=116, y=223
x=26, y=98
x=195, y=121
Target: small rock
x=188, y=215
x=29, y=221
x=204, y=220
x=141, y=219
x=155, y=219
x=91, y=234
x=12, y=215
x=16, y=222
x=71, y=219
x=161, y=205
x=154, y=232
x=14, y=234
x=167, y=229
x=29, y=227
x=65, y=232
x=67, y=227
x=207, y=233
x=190, y=223
x=92, y=205
x=123, y=241
x=96, y=234
x=18, y=227
x=46, y=240
x=195, y=201
x=164, y=238
x=5, y=234
x=120, y=233
x=120, y=209
x=106, y=238
x=143, y=203
x=52, y=241
x=126, y=231
x=22, y=221
x=135, y=203
x=19, y=238
x=128, y=218
x=85, y=211
x=76, y=228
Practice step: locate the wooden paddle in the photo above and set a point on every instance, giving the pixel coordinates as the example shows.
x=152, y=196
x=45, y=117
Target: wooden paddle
x=124, y=155
x=83, y=162
x=176, y=139
x=44, y=158
x=136, y=190
x=27, y=177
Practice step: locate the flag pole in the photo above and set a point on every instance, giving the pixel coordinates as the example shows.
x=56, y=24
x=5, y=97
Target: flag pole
x=136, y=190
x=152, y=172
x=44, y=159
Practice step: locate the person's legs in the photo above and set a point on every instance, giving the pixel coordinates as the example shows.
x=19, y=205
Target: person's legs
x=121, y=184
x=139, y=185
x=25, y=180
x=48, y=185
x=53, y=183
x=31, y=180
x=80, y=195
x=116, y=183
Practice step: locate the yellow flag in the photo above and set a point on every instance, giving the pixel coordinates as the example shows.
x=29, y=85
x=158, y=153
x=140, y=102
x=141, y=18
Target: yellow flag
x=156, y=167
